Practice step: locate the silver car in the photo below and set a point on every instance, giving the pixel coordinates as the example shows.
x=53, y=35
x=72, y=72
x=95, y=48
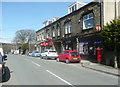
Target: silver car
x=35, y=53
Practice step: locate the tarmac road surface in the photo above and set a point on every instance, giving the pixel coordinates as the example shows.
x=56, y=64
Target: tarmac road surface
x=26, y=70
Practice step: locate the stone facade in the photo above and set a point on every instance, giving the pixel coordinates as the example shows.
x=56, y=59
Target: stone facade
x=74, y=32
x=72, y=39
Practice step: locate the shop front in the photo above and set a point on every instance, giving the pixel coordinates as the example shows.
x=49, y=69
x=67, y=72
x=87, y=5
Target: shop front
x=88, y=47
x=69, y=44
x=46, y=45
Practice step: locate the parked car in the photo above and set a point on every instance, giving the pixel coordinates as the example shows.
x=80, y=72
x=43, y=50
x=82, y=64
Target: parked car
x=2, y=64
x=29, y=53
x=49, y=54
x=35, y=53
x=69, y=56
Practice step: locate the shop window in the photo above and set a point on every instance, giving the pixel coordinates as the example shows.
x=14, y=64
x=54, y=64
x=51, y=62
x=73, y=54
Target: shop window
x=63, y=52
x=84, y=48
x=88, y=21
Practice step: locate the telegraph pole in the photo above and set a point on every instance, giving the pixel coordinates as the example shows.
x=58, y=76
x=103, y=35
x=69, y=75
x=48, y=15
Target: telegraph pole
x=115, y=48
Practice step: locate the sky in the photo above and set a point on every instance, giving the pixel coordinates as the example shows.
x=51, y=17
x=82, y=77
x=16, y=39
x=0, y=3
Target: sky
x=28, y=15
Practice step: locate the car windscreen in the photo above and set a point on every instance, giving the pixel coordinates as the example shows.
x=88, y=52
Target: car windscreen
x=45, y=51
x=52, y=51
x=37, y=52
x=75, y=54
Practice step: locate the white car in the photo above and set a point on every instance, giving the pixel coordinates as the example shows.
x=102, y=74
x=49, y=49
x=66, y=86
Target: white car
x=49, y=54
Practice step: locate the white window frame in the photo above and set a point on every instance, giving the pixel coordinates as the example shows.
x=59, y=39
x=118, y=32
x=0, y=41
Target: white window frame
x=66, y=28
x=40, y=37
x=48, y=33
x=70, y=27
x=37, y=37
x=73, y=8
x=58, y=31
x=86, y=18
x=54, y=33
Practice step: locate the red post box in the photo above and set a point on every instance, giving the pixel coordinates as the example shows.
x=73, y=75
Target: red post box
x=99, y=55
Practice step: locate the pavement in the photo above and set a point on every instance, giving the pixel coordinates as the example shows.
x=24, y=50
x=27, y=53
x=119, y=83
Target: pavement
x=101, y=68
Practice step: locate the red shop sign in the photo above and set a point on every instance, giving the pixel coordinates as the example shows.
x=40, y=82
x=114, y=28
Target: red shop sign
x=47, y=43
x=50, y=43
x=42, y=44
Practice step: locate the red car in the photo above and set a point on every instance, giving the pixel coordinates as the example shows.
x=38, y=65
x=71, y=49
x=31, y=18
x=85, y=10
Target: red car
x=69, y=56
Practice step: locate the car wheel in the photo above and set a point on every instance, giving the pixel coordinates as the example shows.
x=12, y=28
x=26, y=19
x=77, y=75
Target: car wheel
x=67, y=61
x=58, y=60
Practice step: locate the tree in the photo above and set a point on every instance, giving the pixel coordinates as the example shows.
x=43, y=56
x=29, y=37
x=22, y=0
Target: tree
x=25, y=37
x=111, y=36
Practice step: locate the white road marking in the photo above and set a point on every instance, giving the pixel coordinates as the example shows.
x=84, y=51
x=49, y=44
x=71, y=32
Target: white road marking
x=36, y=64
x=60, y=78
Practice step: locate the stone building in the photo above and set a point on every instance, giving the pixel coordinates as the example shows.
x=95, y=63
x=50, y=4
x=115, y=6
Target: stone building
x=78, y=30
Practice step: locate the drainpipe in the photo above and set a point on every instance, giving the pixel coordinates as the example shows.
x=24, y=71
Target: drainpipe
x=62, y=46
x=115, y=48
x=101, y=13
x=77, y=44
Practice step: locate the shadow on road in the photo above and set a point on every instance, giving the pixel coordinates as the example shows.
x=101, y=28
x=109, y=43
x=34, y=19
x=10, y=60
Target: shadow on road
x=7, y=76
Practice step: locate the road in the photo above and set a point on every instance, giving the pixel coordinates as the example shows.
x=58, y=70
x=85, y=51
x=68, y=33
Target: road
x=25, y=70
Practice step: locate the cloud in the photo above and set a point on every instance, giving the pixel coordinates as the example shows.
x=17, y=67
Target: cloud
x=6, y=37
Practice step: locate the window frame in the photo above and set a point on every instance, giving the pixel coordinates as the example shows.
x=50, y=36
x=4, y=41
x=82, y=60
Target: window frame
x=68, y=27
x=53, y=32
x=86, y=18
x=58, y=31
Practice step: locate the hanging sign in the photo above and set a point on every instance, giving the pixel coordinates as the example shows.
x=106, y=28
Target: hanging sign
x=98, y=28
